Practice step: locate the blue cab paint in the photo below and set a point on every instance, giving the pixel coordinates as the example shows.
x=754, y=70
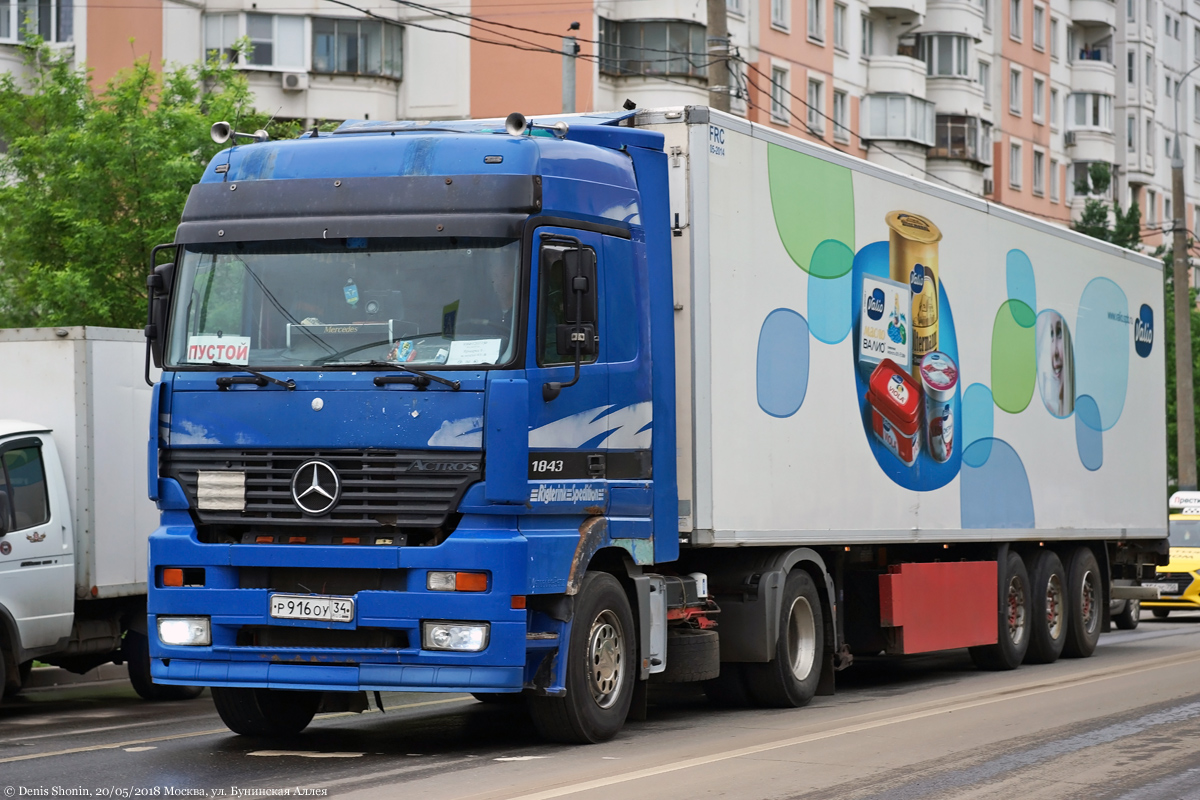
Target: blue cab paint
x=523, y=531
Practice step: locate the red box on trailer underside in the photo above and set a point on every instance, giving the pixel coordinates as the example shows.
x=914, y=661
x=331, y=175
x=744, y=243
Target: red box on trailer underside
x=939, y=606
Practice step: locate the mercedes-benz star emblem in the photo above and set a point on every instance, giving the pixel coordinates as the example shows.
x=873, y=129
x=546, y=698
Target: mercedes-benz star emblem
x=316, y=487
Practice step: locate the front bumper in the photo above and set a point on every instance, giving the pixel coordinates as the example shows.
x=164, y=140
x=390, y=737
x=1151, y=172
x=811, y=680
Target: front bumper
x=344, y=656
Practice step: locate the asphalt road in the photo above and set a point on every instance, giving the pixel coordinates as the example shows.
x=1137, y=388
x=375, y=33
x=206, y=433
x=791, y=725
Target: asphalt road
x=1122, y=724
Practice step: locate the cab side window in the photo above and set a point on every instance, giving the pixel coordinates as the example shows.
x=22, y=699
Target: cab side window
x=556, y=305
x=24, y=479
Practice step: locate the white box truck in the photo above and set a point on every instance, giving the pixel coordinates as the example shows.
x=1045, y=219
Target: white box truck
x=74, y=512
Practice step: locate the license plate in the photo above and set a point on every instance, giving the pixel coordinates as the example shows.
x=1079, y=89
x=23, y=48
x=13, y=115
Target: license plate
x=1165, y=588
x=307, y=606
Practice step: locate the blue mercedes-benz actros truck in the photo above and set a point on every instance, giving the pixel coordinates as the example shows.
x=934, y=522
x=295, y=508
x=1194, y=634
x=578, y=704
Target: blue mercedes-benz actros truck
x=570, y=406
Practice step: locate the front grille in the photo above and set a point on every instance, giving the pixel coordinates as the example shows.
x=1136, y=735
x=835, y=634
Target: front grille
x=315, y=580
x=321, y=638
x=1184, y=579
x=379, y=487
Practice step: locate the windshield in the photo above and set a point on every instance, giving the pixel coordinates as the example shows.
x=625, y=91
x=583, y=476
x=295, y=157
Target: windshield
x=1184, y=532
x=316, y=302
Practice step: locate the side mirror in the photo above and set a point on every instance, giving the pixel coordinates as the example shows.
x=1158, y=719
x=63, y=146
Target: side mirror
x=579, y=276
x=158, y=303
x=5, y=513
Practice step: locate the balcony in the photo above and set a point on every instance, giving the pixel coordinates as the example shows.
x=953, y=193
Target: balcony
x=1095, y=77
x=1090, y=144
x=1095, y=12
x=896, y=75
x=898, y=7
x=962, y=138
x=954, y=95
x=898, y=117
x=954, y=16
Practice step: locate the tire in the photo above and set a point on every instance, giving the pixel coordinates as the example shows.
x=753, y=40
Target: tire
x=692, y=656
x=265, y=712
x=1085, y=593
x=1160, y=613
x=1130, y=615
x=499, y=698
x=789, y=680
x=136, y=652
x=601, y=668
x=1047, y=607
x=16, y=682
x=1012, y=619
x=728, y=689
x=3, y=672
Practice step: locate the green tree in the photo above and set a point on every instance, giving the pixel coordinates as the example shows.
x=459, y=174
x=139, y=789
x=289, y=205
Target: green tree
x=1100, y=220
x=91, y=181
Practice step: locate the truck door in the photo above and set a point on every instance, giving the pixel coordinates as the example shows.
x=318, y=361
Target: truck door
x=565, y=429
x=37, y=575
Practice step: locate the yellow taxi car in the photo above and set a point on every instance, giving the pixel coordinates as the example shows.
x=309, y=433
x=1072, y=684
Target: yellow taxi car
x=1179, y=581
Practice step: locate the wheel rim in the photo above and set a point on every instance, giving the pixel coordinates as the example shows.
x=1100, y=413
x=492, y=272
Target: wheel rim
x=1016, y=610
x=1054, y=607
x=801, y=638
x=605, y=661
x=1087, y=603
x=1135, y=610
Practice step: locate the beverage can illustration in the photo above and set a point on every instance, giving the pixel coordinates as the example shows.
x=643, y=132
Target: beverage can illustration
x=913, y=260
x=939, y=378
x=884, y=329
x=894, y=401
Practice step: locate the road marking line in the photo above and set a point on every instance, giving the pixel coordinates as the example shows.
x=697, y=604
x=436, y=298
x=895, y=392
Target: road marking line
x=140, y=749
x=997, y=696
x=213, y=732
x=519, y=758
x=304, y=754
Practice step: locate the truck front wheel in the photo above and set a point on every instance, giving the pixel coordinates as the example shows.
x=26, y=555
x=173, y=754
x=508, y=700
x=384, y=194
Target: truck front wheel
x=601, y=668
x=136, y=652
x=789, y=680
x=265, y=712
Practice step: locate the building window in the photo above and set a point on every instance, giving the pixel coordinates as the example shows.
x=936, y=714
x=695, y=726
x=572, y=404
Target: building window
x=1131, y=133
x=898, y=116
x=1149, y=140
x=1151, y=202
x=1054, y=38
x=278, y=40
x=946, y=54
x=1148, y=74
x=962, y=137
x=1039, y=173
x=734, y=7
x=779, y=14
x=816, y=20
x=1167, y=147
x=1196, y=163
x=1054, y=116
x=1039, y=99
x=53, y=20
x=816, y=105
x=1014, y=91
x=779, y=100
x=1166, y=85
x=356, y=47
x=1039, y=28
x=1131, y=10
x=1168, y=217
x=1014, y=19
x=868, y=36
x=1014, y=165
x=1130, y=77
x=986, y=5
x=1196, y=44
x=1196, y=103
x=1053, y=181
x=839, y=26
x=985, y=80
x=220, y=34
x=1090, y=111
x=653, y=47
x=841, y=116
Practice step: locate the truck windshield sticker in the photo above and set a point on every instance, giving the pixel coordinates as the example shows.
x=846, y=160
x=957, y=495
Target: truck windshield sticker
x=230, y=349
x=474, y=351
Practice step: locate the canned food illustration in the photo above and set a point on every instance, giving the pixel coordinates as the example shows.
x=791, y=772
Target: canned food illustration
x=939, y=378
x=894, y=399
x=913, y=260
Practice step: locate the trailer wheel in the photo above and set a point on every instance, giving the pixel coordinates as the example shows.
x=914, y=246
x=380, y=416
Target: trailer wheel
x=136, y=652
x=601, y=668
x=1085, y=595
x=1130, y=615
x=265, y=712
x=1012, y=623
x=789, y=680
x=1047, y=608
x=1160, y=613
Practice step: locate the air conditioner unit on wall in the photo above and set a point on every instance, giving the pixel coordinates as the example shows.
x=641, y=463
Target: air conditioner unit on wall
x=987, y=186
x=1069, y=139
x=294, y=81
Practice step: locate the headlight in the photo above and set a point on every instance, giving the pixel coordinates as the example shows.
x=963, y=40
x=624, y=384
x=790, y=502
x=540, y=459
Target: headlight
x=462, y=636
x=193, y=631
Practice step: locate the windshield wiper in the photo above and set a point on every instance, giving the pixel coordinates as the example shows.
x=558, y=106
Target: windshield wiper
x=455, y=385
x=226, y=382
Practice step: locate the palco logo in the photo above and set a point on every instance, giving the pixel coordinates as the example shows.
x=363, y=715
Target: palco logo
x=316, y=487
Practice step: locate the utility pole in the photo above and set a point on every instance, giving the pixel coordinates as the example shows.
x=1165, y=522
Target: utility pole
x=570, y=56
x=718, y=56
x=1185, y=406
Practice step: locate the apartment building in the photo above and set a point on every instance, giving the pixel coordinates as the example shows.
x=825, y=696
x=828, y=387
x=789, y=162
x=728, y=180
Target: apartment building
x=1015, y=100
